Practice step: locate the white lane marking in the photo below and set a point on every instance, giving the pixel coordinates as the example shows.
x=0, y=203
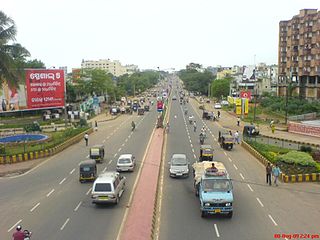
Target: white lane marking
x=32, y=209
x=65, y=223
x=250, y=187
x=89, y=191
x=191, y=145
x=189, y=137
x=49, y=193
x=274, y=222
x=241, y=176
x=225, y=153
x=79, y=163
x=115, y=155
x=77, y=207
x=103, y=141
x=192, y=150
x=72, y=171
x=190, y=140
x=87, y=156
x=214, y=138
x=259, y=202
x=216, y=228
x=119, y=149
x=62, y=181
x=230, y=159
x=126, y=140
x=129, y=136
x=122, y=145
x=235, y=167
x=194, y=156
x=107, y=137
x=9, y=230
x=110, y=161
x=104, y=169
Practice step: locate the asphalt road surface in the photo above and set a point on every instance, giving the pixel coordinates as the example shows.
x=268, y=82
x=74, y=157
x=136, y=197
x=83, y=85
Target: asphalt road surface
x=260, y=211
x=52, y=203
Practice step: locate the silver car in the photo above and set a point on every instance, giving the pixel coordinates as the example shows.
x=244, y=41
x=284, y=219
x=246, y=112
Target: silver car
x=179, y=166
x=126, y=162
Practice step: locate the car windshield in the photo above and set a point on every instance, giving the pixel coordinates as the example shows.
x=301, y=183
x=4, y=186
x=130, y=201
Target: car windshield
x=124, y=160
x=102, y=187
x=216, y=185
x=179, y=161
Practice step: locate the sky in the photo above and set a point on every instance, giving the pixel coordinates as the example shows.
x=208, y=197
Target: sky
x=152, y=33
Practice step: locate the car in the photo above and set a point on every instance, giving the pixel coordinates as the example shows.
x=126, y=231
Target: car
x=224, y=103
x=126, y=162
x=174, y=97
x=179, y=166
x=217, y=106
x=108, y=188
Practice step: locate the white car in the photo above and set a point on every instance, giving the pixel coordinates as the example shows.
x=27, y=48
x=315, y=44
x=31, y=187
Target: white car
x=224, y=103
x=217, y=106
x=126, y=162
x=179, y=166
x=174, y=97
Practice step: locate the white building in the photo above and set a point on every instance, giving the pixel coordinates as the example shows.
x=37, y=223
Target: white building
x=113, y=67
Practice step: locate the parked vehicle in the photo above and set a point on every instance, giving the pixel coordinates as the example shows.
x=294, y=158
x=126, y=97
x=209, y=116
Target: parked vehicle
x=206, y=153
x=214, y=187
x=217, y=106
x=108, y=188
x=179, y=166
x=126, y=162
x=87, y=170
x=97, y=153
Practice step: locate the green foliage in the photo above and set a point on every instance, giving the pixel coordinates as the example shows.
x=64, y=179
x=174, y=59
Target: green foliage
x=83, y=122
x=34, y=127
x=220, y=87
x=306, y=149
x=297, y=158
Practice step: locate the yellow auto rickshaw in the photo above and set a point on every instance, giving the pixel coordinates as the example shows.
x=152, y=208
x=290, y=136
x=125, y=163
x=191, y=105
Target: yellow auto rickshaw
x=206, y=153
x=97, y=153
x=87, y=170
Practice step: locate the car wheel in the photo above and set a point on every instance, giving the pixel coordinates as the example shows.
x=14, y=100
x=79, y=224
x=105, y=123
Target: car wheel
x=203, y=214
x=229, y=215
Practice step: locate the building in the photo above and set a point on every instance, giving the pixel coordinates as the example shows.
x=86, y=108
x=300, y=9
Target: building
x=113, y=67
x=299, y=55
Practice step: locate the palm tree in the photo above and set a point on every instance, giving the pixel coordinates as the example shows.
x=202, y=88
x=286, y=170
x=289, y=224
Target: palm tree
x=12, y=55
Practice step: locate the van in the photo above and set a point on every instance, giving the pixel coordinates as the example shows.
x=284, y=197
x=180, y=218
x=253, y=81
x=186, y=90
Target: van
x=108, y=188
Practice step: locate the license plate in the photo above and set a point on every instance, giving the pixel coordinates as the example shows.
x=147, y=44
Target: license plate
x=179, y=174
x=217, y=210
x=103, y=198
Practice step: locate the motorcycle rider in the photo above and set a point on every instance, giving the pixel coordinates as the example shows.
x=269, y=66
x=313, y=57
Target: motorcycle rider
x=18, y=234
x=194, y=126
x=133, y=125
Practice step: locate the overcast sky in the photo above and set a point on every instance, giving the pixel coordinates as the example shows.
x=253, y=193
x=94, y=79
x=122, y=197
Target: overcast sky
x=152, y=33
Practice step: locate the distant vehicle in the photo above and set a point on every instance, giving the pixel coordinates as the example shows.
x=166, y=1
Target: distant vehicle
x=217, y=106
x=174, y=97
x=97, y=153
x=224, y=103
x=108, y=188
x=146, y=108
x=179, y=166
x=126, y=162
x=140, y=111
x=214, y=188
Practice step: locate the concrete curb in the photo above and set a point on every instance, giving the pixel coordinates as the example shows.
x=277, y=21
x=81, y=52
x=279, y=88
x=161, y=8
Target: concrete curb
x=11, y=159
x=312, y=177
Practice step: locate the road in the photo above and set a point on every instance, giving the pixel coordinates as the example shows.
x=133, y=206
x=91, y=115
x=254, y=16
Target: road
x=53, y=204
x=260, y=211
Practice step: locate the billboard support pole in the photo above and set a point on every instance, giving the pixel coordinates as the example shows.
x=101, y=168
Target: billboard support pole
x=65, y=100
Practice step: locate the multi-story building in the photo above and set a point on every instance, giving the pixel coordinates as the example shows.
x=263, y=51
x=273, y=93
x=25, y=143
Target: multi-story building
x=299, y=55
x=113, y=67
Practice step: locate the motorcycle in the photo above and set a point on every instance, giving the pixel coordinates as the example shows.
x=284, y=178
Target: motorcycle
x=27, y=234
x=201, y=139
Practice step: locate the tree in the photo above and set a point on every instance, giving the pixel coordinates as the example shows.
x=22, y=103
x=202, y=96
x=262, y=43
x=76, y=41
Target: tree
x=12, y=56
x=220, y=87
x=196, y=81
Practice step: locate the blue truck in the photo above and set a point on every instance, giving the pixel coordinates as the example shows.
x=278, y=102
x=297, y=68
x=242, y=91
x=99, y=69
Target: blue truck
x=214, y=188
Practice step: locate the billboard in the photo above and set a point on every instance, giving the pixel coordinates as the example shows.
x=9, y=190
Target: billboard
x=245, y=94
x=45, y=88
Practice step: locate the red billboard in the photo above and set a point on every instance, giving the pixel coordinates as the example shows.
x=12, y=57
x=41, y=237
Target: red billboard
x=45, y=88
x=245, y=94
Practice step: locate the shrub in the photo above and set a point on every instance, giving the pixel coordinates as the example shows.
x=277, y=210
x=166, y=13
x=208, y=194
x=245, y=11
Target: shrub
x=306, y=149
x=297, y=158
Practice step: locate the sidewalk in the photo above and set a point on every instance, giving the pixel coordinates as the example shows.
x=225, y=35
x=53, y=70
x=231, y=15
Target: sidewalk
x=21, y=167
x=228, y=120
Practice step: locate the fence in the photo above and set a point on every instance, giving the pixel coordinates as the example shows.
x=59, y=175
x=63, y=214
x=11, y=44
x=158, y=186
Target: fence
x=303, y=117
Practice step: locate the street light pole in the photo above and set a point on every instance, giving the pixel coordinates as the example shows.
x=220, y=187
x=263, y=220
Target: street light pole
x=255, y=105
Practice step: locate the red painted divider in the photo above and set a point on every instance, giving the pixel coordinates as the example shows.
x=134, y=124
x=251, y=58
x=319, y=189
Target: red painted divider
x=138, y=225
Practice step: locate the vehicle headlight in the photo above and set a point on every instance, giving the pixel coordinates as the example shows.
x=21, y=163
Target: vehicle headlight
x=228, y=204
x=207, y=204
x=94, y=196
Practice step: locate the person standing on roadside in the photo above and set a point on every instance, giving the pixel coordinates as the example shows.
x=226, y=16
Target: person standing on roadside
x=95, y=125
x=268, y=173
x=236, y=137
x=219, y=114
x=276, y=174
x=86, y=138
x=238, y=121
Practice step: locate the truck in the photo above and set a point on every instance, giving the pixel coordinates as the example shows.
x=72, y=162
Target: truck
x=214, y=188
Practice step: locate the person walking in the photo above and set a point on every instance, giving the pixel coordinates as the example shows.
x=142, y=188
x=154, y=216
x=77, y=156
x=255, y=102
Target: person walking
x=268, y=173
x=238, y=121
x=273, y=128
x=95, y=125
x=86, y=138
x=236, y=137
x=276, y=174
x=230, y=132
x=219, y=114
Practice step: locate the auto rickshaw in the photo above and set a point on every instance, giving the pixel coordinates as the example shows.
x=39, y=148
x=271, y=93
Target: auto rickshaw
x=97, y=153
x=140, y=111
x=206, y=153
x=250, y=130
x=226, y=140
x=87, y=170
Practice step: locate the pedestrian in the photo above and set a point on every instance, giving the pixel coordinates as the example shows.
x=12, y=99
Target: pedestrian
x=230, y=132
x=238, y=121
x=86, y=138
x=268, y=173
x=276, y=173
x=236, y=137
x=219, y=114
x=95, y=126
x=273, y=128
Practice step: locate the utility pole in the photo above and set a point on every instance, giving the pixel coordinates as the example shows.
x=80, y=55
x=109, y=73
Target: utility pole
x=255, y=106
